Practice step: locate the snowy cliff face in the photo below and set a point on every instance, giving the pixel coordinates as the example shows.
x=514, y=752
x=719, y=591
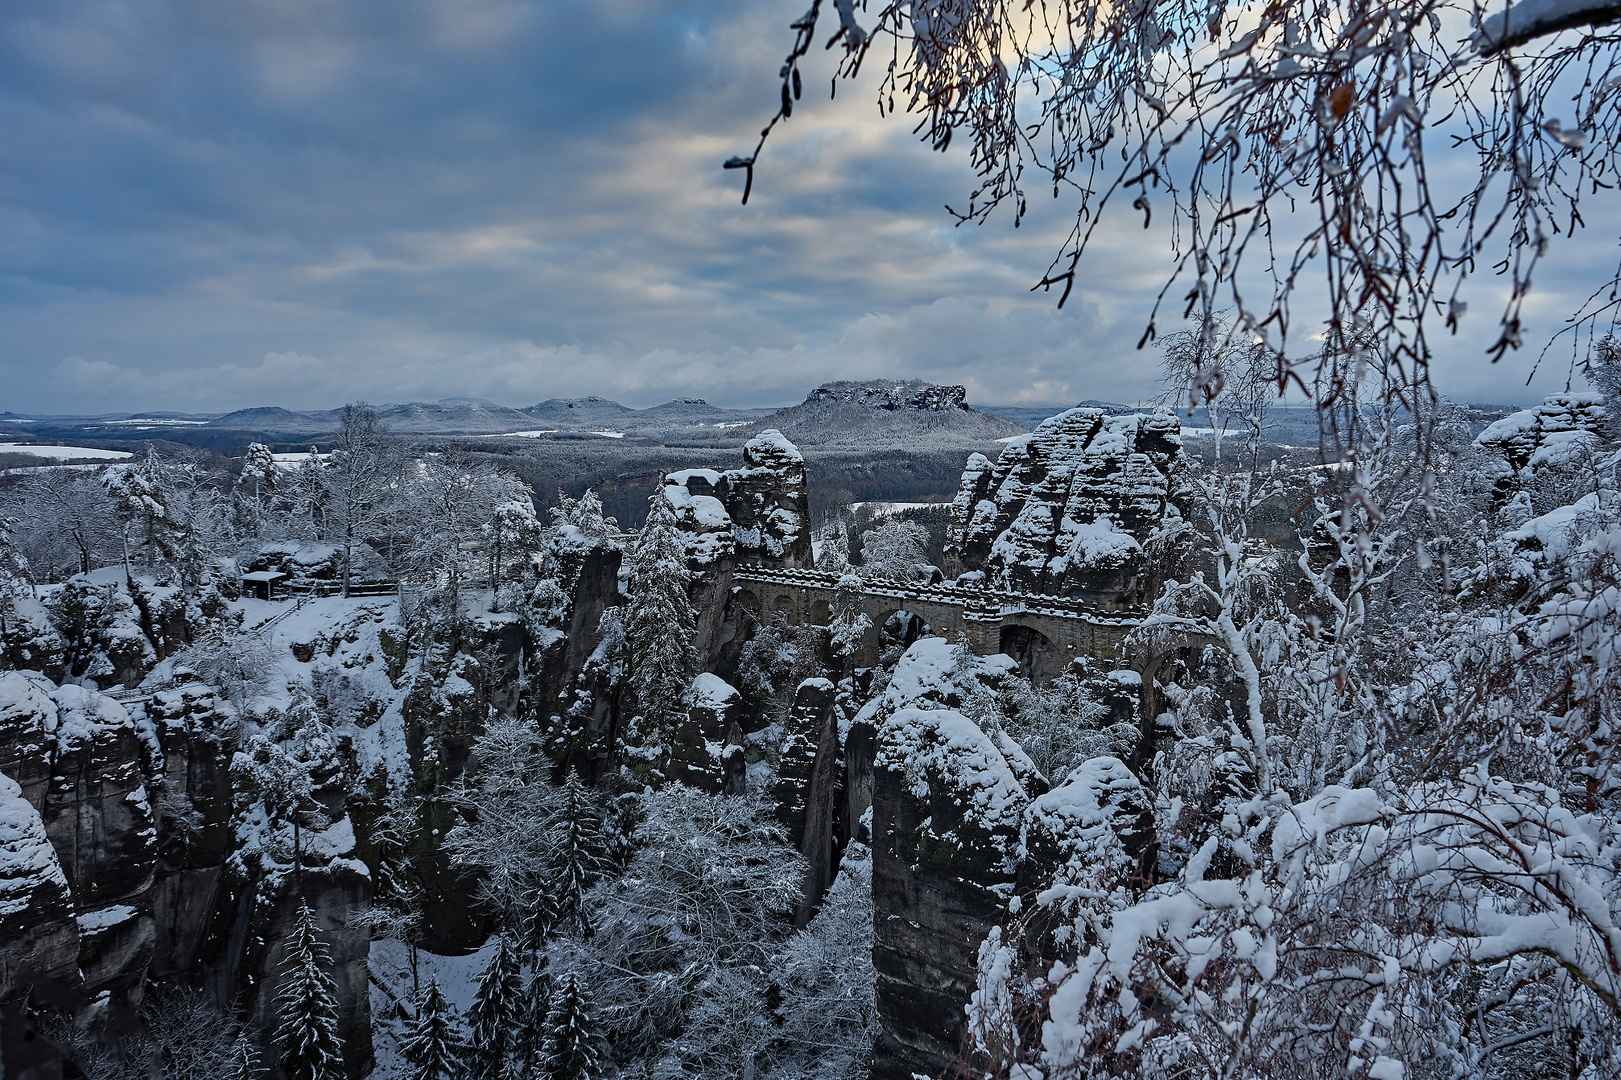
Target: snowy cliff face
x=39, y=938
x=76, y=767
x=947, y=803
x=1562, y=428
x=1070, y=508
x=759, y=513
x=945, y=828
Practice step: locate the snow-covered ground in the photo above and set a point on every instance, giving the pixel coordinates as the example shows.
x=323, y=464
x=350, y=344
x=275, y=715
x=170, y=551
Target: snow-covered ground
x=291, y=462
x=141, y=423
x=64, y=453
x=391, y=988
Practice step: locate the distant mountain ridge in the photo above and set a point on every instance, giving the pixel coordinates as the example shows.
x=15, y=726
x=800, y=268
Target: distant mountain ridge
x=467, y=416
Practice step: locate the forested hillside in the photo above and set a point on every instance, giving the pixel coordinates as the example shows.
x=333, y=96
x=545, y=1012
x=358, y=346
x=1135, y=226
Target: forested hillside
x=1130, y=761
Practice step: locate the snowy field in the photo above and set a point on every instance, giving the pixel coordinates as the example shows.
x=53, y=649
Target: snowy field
x=64, y=453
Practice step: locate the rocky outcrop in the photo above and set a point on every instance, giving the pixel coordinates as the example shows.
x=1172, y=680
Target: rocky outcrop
x=1069, y=509
x=1560, y=431
x=120, y=865
x=75, y=768
x=807, y=791
x=39, y=938
x=947, y=811
x=706, y=752
x=759, y=513
x=194, y=727
x=27, y=733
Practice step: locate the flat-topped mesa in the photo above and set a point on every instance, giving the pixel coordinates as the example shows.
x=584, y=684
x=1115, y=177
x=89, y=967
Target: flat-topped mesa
x=887, y=413
x=759, y=513
x=1069, y=509
x=913, y=394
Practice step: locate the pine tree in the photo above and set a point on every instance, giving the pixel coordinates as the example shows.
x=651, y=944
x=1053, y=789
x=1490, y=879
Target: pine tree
x=13, y=566
x=496, y=1014
x=255, y=484
x=529, y=1038
x=309, y=498
x=244, y=1063
x=571, y=1050
x=580, y=849
x=538, y=918
x=659, y=622
x=139, y=495
x=834, y=557
x=308, y=1003
x=432, y=1045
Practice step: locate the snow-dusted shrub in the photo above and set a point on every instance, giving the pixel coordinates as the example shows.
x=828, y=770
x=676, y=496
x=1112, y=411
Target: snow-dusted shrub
x=704, y=899
x=896, y=549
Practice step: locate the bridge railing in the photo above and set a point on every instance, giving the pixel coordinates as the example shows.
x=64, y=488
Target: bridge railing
x=979, y=601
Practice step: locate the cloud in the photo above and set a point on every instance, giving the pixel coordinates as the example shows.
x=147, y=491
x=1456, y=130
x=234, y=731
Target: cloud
x=297, y=202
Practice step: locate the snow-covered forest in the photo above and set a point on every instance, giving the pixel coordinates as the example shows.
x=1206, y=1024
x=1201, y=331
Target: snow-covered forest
x=349, y=763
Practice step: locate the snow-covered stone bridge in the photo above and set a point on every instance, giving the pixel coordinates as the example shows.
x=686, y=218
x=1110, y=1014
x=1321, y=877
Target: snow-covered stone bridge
x=1044, y=633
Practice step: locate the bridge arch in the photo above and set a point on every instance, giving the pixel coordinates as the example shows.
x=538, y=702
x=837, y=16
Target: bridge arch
x=900, y=627
x=1038, y=656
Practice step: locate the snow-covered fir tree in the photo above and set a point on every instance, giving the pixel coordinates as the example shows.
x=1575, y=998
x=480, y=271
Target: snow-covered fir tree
x=572, y=1049
x=13, y=567
x=496, y=1015
x=579, y=855
x=511, y=532
x=529, y=1036
x=255, y=488
x=432, y=1046
x=308, y=497
x=833, y=554
x=138, y=494
x=659, y=622
x=308, y=1006
x=579, y=523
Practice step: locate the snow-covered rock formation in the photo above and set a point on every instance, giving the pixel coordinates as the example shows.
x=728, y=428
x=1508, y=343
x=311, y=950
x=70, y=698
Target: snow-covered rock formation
x=1070, y=508
x=759, y=513
x=1561, y=429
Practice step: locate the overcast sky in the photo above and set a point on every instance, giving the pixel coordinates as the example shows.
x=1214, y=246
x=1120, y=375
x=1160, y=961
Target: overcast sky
x=206, y=205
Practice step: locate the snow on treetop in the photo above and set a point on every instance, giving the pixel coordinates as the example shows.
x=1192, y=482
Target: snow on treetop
x=712, y=691
x=27, y=860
